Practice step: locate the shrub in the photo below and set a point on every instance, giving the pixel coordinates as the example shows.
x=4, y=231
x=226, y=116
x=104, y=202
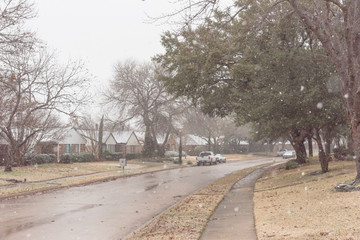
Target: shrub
x=177, y=161
x=340, y=153
x=291, y=164
x=65, y=158
x=107, y=156
x=77, y=157
x=171, y=154
x=43, y=158
x=174, y=154
x=131, y=156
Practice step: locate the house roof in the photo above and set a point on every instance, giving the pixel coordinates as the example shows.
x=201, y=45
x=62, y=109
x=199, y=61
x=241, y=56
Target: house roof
x=190, y=139
x=123, y=136
x=93, y=134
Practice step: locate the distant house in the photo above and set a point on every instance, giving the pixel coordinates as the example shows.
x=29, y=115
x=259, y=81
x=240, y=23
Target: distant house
x=72, y=142
x=125, y=142
x=172, y=143
x=192, y=142
x=92, y=139
x=67, y=140
x=4, y=148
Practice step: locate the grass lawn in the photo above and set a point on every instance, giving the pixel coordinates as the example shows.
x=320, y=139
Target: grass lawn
x=295, y=204
x=89, y=172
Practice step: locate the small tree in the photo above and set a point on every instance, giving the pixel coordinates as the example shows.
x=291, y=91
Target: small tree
x=101, y=133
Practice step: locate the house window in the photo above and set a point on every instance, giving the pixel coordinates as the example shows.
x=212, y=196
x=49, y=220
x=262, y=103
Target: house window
x=132, y=149
x=75, y=148
x=117, y=148
x=67, y=148
x=111, y=148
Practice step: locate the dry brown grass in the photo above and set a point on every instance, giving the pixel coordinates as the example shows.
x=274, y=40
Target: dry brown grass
x=188, y=218
x=291, y=204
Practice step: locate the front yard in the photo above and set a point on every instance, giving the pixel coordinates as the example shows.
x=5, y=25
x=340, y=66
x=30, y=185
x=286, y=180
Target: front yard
x=300, y=204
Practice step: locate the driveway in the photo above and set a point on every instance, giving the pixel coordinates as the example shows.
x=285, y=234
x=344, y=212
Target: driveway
x=108, y=210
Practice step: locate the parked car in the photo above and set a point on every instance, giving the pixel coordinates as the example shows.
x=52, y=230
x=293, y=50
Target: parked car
x=288, y=154
x=206, y=157
x=281, y=152
x=220, y=158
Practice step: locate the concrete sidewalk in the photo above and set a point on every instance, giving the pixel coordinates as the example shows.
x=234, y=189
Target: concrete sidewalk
x=234, y=217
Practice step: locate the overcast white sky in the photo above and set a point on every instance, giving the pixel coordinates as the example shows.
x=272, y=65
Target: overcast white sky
x=101, y=32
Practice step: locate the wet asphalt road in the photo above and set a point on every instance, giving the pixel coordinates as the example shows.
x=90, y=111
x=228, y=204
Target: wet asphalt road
x=108, y=210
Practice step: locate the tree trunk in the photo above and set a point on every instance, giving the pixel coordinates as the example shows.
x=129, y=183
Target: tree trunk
x=310, y=143
x=148, y=150
x=356, y=140
x=209, y=143
x=297, y=138
x=100, y=140
x=300, y=150
x=328, y=149
x=8, y=164
x=322, y=155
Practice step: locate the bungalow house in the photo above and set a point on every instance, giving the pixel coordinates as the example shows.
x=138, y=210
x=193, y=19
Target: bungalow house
x=192, y=142
x=92, y=139
x=125, y=142
x=172, y=143
x=64, y=141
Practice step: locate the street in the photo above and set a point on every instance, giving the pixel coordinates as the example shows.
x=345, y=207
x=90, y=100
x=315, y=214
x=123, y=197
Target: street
x=109, y=210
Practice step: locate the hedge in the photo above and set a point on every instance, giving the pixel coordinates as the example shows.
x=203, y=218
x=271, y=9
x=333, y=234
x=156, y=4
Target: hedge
x=43, y=158
x=77, y=157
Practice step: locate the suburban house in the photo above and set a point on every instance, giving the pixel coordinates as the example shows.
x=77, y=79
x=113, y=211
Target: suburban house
x=69, y=141
x=125, y=142
x=4, y=147
x=172, y=143
x=92, y=139
x=192, y=142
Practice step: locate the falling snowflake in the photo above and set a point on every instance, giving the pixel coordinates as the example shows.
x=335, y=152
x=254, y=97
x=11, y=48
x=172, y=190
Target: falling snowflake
x=244, y=23
x=320, y=105
x=302, y=174
x=306, y=188
x=302, y=88
x=346, y=96
x=236, y=209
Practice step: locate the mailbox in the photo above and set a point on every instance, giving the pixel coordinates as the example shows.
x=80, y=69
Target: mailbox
x=122, y=162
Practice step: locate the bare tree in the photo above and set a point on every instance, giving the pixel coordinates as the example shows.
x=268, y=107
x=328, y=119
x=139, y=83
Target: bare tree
x=13, y=15
x=138, y=96
x=206, y=127
x=34, y=87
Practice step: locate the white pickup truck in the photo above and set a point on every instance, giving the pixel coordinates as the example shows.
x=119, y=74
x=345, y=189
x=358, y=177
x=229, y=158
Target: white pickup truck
x=206, y=157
